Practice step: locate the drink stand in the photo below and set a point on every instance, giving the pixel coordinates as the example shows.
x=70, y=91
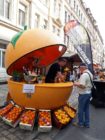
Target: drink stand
x=44, y=48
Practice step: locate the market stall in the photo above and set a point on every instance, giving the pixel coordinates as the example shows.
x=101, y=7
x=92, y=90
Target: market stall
x=43, y=48
x=30, y=96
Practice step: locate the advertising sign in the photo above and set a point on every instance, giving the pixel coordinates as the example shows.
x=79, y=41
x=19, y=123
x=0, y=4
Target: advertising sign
x=28, y=88
x=80, y=39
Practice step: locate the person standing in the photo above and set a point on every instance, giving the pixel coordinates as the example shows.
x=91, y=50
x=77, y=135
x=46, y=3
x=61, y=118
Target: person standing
x=55, y=70
x=84, y=88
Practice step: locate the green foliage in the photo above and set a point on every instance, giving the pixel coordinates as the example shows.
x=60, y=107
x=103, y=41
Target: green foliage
x=17, y=76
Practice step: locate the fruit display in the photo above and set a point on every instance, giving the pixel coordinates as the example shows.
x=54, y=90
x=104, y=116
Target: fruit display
x=27, y=119
x=62, y=116
x=14, y=114
x=6, y=109
x=44, y=120
x=70, y=111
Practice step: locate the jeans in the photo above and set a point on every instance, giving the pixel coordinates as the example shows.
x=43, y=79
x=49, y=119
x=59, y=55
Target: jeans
x=83, y=109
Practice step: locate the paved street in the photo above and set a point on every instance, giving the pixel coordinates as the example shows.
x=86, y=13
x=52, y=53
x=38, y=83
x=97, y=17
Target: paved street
x=95, y=132
x=3, y=93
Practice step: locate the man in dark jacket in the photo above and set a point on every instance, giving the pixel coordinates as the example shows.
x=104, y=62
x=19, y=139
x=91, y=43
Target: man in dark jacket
x=55, y=70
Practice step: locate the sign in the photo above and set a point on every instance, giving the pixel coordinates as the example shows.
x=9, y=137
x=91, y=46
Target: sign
x=80, y=39
x=28, y=88
x=83, y=55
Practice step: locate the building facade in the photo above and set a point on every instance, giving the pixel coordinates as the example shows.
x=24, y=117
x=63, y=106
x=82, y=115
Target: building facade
x=48, y=14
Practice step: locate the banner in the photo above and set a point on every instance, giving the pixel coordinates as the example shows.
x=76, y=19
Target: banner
x=80, y=39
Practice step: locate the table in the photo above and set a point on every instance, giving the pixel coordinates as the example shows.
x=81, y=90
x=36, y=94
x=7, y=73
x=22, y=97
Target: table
x=99, y=99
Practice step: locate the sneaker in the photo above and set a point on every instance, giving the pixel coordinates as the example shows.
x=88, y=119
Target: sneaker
x=87, y=126
x=78, y=125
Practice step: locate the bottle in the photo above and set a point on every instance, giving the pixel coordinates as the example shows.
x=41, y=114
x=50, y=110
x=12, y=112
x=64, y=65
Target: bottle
x=25, y=71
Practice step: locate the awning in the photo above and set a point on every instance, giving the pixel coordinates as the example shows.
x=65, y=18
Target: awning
x=73, y=57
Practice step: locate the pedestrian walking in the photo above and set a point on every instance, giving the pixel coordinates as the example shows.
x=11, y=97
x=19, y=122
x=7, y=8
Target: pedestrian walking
x=84, y=89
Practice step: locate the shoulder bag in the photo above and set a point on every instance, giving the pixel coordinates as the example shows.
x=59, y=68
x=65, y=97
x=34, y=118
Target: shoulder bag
x=94, y=89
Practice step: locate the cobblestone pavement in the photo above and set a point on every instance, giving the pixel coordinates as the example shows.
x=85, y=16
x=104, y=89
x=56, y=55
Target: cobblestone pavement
x=96, y=132
x=3, y=93
x=9, y=133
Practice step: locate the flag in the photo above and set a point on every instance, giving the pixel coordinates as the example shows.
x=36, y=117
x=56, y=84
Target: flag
x=80, y=39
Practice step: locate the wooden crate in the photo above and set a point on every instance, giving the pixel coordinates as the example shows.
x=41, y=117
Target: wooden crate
x=4, y=110
x=44, y=116
x=70, y=111
x=58, y=120
x=28, y=123
x=10, y=121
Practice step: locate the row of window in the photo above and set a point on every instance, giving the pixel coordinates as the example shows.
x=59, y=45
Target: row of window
x=5, y=8
x=6, y=11
x=78, y=12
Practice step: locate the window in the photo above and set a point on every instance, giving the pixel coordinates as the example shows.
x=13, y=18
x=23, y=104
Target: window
x=22, y=14
x=45, y=24
x=45, y=2
x=3, y=57
x=65, y=16
x=74, y=4
x=5, y=8
x=79, y=13
x=81, y=16
x=77, y=9
x=2, y=54
x=2, y=8
x=54, y=29
x=68, y=17
x=58, y=32
x=55, y=6
x=59, y=10
x=84, y=20
x=37, y=20
x=0, y=58
x=66, y=40
x=69, y=1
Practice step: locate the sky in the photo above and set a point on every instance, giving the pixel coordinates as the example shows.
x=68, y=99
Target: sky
x=97, y=8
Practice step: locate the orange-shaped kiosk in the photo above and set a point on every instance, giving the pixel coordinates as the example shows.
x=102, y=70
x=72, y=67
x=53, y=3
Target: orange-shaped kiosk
x=46, y=48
